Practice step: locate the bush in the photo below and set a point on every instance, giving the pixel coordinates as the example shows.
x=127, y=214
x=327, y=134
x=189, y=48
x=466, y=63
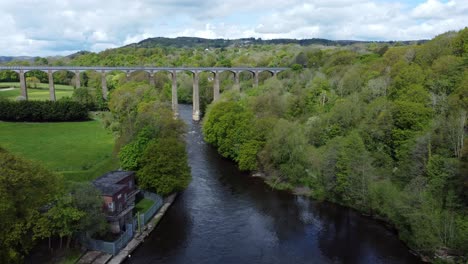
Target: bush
x=42, y=111
x=85, y=97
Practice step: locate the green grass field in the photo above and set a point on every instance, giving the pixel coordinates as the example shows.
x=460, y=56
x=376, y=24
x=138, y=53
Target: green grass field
x=39, y=93
x=143, y=205
x=81, y=151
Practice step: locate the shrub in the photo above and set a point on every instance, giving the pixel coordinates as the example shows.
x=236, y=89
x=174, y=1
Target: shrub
x=42, y=111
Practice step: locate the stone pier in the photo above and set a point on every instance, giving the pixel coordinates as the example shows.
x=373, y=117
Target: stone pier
x=77, y=79
x=175, y=103
x=196, y=97
x=216, y=86
x=104, y=85
x=24, y=89
x=51, y=85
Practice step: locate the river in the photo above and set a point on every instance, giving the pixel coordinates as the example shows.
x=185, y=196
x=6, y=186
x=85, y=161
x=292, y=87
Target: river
x=225, y=216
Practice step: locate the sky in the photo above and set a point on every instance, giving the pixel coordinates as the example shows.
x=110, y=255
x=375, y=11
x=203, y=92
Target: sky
x=62, y=27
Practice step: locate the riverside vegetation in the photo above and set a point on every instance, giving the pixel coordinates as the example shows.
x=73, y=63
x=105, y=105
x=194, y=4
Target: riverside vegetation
x=382, y=132
x=39, y=204
x=379, y=127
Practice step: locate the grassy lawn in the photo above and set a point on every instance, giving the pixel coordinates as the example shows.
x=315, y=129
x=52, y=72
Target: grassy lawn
x=81, y=151
x=39, y=93
x=143, y=205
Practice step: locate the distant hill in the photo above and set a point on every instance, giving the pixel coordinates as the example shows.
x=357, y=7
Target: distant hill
x=191, y=42
x=76, y=54
x=4, y=59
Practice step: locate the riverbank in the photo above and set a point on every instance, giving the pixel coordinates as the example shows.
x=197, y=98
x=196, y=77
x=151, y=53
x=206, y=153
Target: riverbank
x=97, y=257
x=225, y=216
x=140, y=237
x=307, y=192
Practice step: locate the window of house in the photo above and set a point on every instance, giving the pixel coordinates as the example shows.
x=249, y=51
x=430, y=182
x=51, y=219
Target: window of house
x=130, y=183
x=120, y=196
x=111, y=206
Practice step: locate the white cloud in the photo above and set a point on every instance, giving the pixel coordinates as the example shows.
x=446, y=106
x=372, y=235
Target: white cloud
x=31, y=27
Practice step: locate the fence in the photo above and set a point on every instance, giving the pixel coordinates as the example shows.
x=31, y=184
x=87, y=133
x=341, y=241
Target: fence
x=110, y=247
x=158, y=201
x=115, y=246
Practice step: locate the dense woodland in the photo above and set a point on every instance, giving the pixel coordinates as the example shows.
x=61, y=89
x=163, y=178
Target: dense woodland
x=382, y=131
x=379, y=127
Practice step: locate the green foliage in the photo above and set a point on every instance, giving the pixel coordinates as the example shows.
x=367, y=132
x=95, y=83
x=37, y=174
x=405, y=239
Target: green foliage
x=25, y=190
x=460, y=43
x=286, y=152
x=164, y=166
x=378, y=127
x=228, y=126
x=88, y=200
x=411, y=116
x=42, y=111
x=247, y=157
x=439, y=46
x=297, y=67
x=405, y=75
x=64, y=218
x=150, y=139
x=353, y=172
x=84, y=97
x=131, y=153
x=381, y=129
x=32, y=82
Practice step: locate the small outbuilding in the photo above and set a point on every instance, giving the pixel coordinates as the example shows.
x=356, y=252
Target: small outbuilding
x=118, y=191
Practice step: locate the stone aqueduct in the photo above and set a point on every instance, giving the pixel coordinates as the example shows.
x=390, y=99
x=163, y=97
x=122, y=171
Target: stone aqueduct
x=195, y=71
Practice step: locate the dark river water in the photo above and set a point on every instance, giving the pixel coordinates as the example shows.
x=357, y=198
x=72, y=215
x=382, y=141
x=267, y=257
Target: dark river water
x=225, y=216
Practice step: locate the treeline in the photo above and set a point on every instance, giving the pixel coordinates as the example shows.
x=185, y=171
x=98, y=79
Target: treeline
x=36, y=205
x=379, y=130
x=43, y=111
x=192, y=42
x=150, y=140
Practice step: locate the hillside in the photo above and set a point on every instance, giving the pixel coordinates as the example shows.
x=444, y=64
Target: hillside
x=191, y=42
x=4, y=59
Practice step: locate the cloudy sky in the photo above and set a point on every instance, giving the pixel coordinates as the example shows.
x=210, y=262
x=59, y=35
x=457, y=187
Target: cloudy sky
x=52, y=27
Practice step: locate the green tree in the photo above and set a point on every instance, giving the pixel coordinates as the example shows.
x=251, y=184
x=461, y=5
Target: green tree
x=25, y=190
x=84, y=96
x=228, y=125
x=88, y=200
x=32, y=82
x=286, y=152
x=164, y=167
x=65, y=218
x=131, y=153
x=440, y=172
x=353, y=172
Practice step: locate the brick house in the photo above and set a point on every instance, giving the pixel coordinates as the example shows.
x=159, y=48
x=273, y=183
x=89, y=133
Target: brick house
x=118, y=191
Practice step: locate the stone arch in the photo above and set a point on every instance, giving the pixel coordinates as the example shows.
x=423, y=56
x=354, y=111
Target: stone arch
x=138, y=75
x=68, y=78
x=265, y=74
x=7, y=74
x=266, y=70
x=31, y=75
x=167, y=71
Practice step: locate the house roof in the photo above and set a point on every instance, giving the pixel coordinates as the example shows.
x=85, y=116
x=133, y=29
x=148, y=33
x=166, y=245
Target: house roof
x=109, y=184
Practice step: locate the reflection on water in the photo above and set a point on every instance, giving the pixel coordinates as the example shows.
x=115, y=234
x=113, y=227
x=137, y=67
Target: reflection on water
x=225, y=216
